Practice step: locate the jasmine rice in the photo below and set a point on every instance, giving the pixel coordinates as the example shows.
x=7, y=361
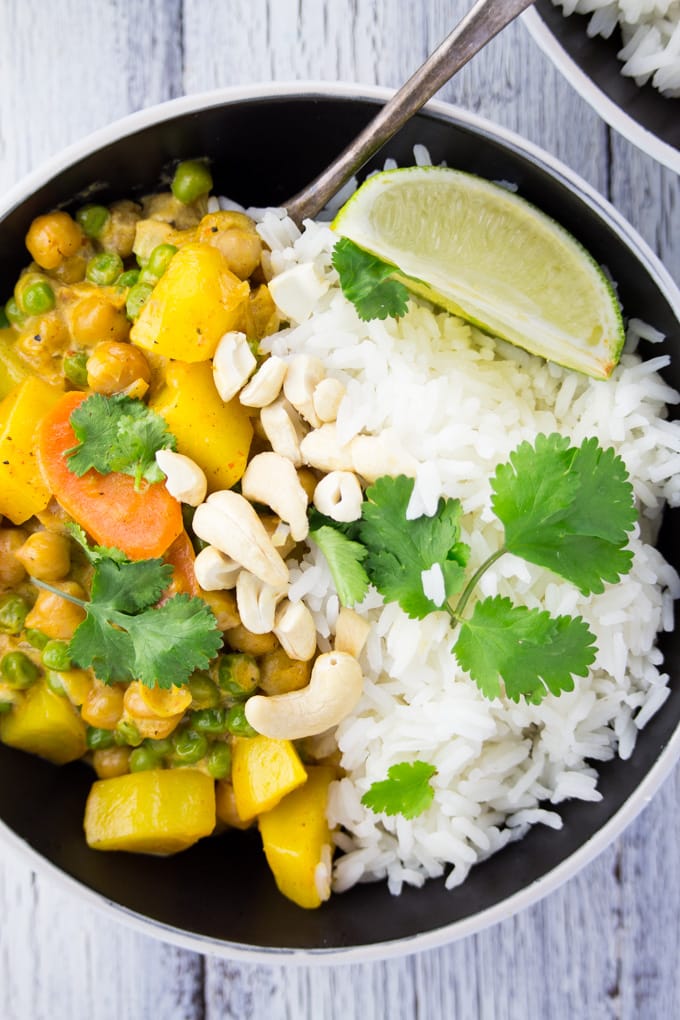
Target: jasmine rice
x=451, y=404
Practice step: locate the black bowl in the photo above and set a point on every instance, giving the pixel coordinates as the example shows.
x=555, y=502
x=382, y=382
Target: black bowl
x=641, y=114
x=219, y=896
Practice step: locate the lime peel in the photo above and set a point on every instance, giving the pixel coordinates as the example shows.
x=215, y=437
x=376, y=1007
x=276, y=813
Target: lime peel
x=490, y=257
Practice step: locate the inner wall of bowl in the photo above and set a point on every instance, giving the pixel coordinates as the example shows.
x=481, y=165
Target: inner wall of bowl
x=597, y=57
x=262, y=152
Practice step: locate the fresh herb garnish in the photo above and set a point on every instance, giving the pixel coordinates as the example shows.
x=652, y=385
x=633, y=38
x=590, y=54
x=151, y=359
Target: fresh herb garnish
x=406, y=791
x=565, y=508
x=120, y=434
x=368, y=282
x=126, y=636
x=344, y=558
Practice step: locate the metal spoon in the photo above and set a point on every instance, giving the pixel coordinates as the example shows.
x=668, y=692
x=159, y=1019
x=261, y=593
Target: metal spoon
x=479, y=26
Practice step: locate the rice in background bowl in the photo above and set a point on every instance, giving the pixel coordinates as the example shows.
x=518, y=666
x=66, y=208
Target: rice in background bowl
x=243, y=914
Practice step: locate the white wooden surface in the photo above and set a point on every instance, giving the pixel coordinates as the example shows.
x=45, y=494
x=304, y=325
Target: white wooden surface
x=604, y=946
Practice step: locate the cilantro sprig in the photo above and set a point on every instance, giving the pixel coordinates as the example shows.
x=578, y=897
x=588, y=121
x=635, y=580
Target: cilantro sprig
x=565, y=508
x=368, y=282
x=126, y=634
x=407, y=790
x=118, y=433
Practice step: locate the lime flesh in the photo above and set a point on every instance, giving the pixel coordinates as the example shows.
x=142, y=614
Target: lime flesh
x=492, y=258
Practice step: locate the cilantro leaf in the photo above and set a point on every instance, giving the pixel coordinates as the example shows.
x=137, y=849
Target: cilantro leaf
x=367, y=282
x=130, y=587
x=568, y=509
x=120, y=434
x=173, y=640
x=399, y=550
x=529, y=650
x=406, y=791
x=107, y=649
x=344, y=558
x=95, y=553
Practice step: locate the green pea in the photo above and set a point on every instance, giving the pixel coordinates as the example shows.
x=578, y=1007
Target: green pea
x=204, y=693
x=74, y=367
x=192, y=179
x=128, y=279
x=104, y=269
x=5, y=706
x=55, y=683
x=98, y=739
x=14, y=313
x=36, y=638
x=37, y=298
x=160, y=747
x=142, y=759
x=137, y=298
x=147, y=278
x=13, y=612
x=238, y=674
x=18, y=671
x=159, y=259
x=92, y=219
x=209, y=720
x=237, y=724
x=4, y=321
x=127, y=733
x=189, y=747
x=219, y=760
x=55, y=656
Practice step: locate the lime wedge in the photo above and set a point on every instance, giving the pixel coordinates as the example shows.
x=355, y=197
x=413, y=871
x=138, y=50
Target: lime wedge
x=492, y=258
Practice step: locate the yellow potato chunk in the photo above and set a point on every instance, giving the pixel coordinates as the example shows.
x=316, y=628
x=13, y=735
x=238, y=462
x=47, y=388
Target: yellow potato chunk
x=12, y=368
x=297, y=840
x=196, y=301
x=263, y=771
x=23, y=492
x=160, y=811
x=215, y=435
x=46, y=724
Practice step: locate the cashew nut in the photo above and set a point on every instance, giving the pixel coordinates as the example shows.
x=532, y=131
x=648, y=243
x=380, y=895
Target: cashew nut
x=322, y=449
x=296, y=291
x=233, y=364
x=265, y=385
x=327, y=398
x=214, y=571
x=334, y=689
x=272, y=479
x=374, y=456
x=229, y=522
x=303, y=376
x=283, y=428
x=184, y=479
x=351, y=632
x=257, y=602
x=339, y=496
x=295, y=628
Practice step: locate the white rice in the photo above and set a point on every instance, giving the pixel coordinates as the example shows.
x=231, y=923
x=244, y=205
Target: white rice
x=459, y=403
x=651, y=36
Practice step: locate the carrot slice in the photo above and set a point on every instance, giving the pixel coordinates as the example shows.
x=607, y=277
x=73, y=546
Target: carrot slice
x=181, y=557
x=143, y=524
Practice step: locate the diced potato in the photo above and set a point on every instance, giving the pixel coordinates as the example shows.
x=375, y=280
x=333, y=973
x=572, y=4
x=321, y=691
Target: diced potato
x=263, y=771
x=12, y=368
x=46, y=724
x=196, y=301
x=159, y=811
x=297, y=840
x=215, y=435
x=23, y=492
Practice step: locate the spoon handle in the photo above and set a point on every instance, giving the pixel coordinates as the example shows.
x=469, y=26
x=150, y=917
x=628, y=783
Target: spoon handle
x=479, y=26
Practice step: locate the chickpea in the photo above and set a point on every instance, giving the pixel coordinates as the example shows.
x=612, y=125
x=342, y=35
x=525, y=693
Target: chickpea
x=225, y=803
x=103, y=705
x=54, y=518
x=223, y=605
x=241, y=640
x=46, y=338
x=110, y=762
x=280, y=674
x=72, y=270
x=95, y=318
x=114, y=366
x=77, y=684
x=118, y=234
x=57, y=617
x=12, y=570
x=234, y=234
x=53, y=238
x=46, y=555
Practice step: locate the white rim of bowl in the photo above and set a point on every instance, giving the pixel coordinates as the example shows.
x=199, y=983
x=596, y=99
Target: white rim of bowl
x=667, y=758
x=610, y=111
